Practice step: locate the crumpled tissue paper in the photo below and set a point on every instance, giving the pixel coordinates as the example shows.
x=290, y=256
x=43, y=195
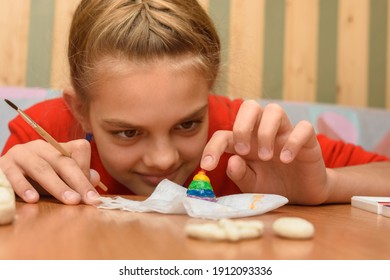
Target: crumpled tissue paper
x=171, y=198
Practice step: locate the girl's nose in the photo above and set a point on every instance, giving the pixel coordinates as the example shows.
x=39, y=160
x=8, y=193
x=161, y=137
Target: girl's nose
x=161, y=155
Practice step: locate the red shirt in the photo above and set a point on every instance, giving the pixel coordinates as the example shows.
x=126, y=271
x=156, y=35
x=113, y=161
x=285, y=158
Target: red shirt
x=54, y=116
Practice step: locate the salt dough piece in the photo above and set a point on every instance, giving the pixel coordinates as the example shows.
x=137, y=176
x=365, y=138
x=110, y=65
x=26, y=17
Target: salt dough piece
x=7, y=200
x=293, y=228
x=201, y=188
x=225, y=229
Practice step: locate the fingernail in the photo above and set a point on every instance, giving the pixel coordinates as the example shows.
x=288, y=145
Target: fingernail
x=207, y=160
x=264, y=153
x=241, y=148
x=93, y=173
x=93, y=195
x=30, y=195
x=71, y=196
x=286, y=156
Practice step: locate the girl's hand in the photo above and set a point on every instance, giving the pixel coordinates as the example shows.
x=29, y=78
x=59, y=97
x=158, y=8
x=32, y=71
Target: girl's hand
x=38, y=168
x=270, y=155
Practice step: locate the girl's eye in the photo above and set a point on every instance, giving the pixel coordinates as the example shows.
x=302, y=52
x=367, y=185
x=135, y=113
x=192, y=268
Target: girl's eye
x=188, y=126
x=128, y=134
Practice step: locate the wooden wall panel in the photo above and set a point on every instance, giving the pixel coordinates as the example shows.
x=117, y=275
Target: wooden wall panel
x=352, y=52
x=246, y=40
x=300, y=50
x=248, y=58
x=14, y=24
x=62, y=19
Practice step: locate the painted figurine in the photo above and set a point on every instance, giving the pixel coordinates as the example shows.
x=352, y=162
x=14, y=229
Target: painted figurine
x=201, y=188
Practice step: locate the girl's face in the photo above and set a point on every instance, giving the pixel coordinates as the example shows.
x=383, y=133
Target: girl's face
x=150, y=122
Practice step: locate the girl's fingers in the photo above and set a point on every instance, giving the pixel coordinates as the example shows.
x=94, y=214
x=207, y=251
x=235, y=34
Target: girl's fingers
x=303, y=135
x=42, y=173
x=274, y=123
x=94, y=177
x=67, y=179
x=81, y=153
x=73, y=177
x=258, y=130
x=254, y=135
x=244, y=126
x=221, y=141
x=21, y=185
x=22, y=163
x=239, y=172
x=82, y=183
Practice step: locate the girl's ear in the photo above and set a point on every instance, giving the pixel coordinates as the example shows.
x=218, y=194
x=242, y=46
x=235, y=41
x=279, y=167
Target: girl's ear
x=77, y=108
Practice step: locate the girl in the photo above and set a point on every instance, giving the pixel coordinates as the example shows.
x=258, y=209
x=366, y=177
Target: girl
x=142, y=73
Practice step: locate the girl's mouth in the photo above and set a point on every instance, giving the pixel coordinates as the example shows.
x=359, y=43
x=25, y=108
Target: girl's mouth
x=155, y=179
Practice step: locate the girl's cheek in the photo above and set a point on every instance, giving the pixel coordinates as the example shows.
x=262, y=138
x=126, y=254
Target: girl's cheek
x=122, y=157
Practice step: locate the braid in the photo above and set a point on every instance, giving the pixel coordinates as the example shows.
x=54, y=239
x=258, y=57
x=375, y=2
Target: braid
x=140, y=30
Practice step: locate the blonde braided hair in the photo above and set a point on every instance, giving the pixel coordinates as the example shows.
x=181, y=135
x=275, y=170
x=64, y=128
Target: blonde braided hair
x=140, y=31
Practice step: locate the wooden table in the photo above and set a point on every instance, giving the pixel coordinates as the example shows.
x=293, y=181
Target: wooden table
x=50, y=230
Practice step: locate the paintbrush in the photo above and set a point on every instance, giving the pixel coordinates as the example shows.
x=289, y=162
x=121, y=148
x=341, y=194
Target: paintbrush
x=45, y=135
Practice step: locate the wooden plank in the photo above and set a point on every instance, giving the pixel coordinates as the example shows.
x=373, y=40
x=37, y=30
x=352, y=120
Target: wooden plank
x=352, y=64
x=14, y=22
x=246, y=48
x=300, y=50
x=60, y=68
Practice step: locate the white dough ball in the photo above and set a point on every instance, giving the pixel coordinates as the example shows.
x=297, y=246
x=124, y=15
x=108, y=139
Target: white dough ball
x=293, y=228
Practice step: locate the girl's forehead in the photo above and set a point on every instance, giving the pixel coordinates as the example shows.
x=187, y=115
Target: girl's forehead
x=111, y=67
x=160, y=81
x=150, y=95
x=135, y=77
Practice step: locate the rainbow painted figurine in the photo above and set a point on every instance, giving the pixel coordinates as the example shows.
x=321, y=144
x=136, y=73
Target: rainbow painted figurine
x=201, y=188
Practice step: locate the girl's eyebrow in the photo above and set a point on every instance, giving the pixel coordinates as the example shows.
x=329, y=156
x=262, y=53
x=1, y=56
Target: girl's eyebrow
x=118, y=123
x=195, y=114
x=125, y=124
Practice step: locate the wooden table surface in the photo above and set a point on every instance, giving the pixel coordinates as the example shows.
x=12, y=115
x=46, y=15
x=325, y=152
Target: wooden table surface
x=50, y=230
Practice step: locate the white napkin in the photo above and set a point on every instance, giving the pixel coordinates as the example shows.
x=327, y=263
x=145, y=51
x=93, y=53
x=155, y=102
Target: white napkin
x=171, y=198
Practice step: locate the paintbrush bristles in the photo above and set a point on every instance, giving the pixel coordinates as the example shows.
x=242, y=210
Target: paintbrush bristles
x=11, y=104
x=29, y=120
